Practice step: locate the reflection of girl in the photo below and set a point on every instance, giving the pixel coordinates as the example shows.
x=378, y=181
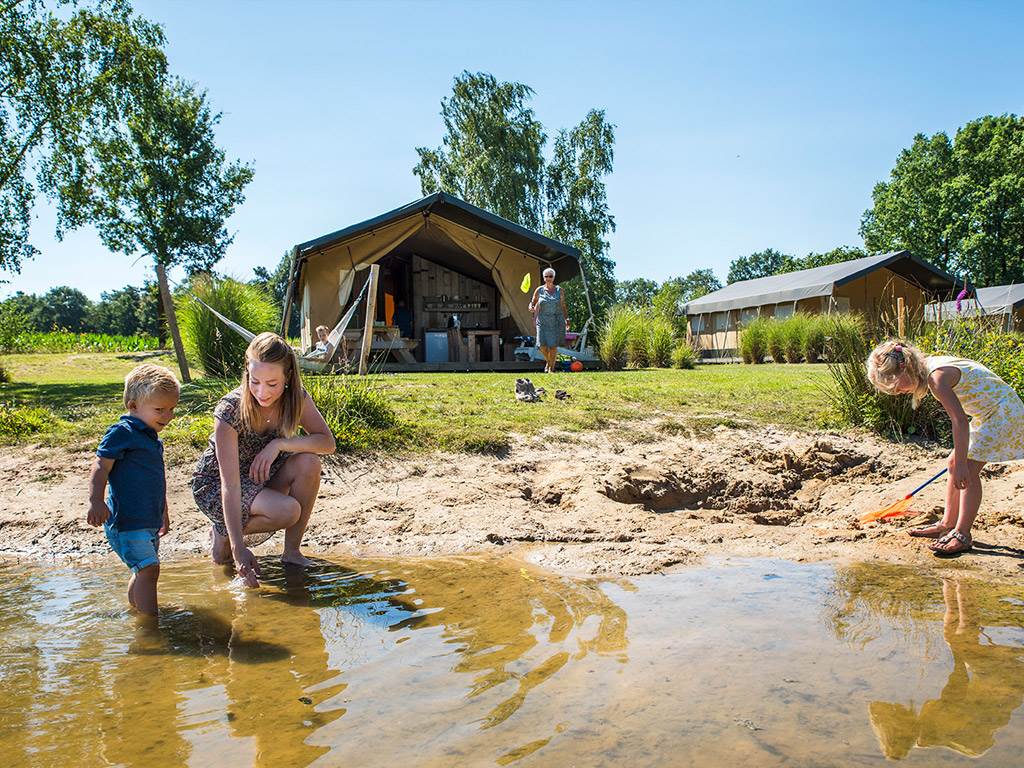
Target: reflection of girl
x=548, y=307
x=985, y=686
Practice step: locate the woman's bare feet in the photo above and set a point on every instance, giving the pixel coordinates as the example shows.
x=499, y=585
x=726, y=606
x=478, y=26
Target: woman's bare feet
x=220, y=548
x=296, y=558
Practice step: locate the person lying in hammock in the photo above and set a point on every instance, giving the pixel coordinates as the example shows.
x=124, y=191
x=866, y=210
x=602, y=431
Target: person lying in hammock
x=323, y=349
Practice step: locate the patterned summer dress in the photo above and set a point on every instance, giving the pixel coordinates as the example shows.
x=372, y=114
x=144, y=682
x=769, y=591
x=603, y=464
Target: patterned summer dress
x=550, y=320
x=206, y=477
x=996, y=411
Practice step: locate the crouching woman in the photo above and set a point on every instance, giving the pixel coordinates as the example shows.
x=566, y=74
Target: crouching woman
x=257, y=475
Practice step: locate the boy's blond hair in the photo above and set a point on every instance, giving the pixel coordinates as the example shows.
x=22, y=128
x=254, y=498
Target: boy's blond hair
x=891, y=359
x=323, y=328
x=146, y=379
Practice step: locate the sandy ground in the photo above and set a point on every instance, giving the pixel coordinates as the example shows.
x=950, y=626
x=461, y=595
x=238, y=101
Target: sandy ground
x=632, y=501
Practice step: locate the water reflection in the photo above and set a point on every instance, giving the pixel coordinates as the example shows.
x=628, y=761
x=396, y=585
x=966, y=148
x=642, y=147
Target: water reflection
x=985, y=679
x=468, y=661
x=262, y=678
x=498, y=613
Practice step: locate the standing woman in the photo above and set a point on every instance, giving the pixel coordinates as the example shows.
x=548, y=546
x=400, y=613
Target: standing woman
x=548, y=307
x=257, y=474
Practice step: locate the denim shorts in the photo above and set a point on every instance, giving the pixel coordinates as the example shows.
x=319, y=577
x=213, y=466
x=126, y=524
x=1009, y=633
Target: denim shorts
x=137, y=549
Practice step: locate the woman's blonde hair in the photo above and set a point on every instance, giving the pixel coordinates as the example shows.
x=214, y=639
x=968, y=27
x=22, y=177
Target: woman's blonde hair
x=270, y=348
x=891, y=359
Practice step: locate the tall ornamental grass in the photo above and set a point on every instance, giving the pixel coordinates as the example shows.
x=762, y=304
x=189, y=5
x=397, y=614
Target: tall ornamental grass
x=213, y=346
x=754, y=340
x=854, y=401
x=685, y=355
x=813, y=341
x=775, y=340
x=661, y=342
x=358, y=414
x=794, y=331
x=622, y=325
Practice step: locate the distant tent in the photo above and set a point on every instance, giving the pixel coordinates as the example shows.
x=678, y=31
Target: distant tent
x=857, y=285
x=1005, y=300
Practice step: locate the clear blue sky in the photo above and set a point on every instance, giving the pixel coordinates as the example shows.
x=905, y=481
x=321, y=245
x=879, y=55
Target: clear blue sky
x=739, y=126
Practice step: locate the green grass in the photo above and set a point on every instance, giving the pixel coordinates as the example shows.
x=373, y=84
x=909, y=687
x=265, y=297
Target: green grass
x=459, y=412
x=463, y=411
x=82, y=390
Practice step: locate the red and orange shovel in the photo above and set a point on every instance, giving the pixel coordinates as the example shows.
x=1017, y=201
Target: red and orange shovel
x=901, y=507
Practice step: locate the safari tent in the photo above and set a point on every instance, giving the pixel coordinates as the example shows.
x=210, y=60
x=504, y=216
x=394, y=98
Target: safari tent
x=1003, y=303
x=869, y=285
x=443, y=263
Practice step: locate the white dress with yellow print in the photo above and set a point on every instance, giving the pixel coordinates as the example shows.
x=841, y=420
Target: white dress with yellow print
x=997, y=413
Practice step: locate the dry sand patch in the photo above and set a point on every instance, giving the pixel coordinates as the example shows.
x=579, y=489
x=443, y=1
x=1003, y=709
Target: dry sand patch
x=599, y=503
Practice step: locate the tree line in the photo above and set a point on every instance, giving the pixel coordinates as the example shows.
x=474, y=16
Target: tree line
x=129, y=311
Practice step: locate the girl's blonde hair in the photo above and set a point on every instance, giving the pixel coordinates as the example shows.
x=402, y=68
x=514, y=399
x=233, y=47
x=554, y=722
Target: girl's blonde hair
x=270, y=348
x=889, y=360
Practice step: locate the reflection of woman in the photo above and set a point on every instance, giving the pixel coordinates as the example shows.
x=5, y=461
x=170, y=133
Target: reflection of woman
x=304, y=687
x=548, y=307
x=985, y=686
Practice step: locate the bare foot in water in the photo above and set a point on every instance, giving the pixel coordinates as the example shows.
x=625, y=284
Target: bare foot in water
x=296, y=558
x=220, y=549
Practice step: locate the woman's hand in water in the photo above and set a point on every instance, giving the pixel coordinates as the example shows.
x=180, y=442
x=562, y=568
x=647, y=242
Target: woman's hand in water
x=248, y=567
x=259, y=471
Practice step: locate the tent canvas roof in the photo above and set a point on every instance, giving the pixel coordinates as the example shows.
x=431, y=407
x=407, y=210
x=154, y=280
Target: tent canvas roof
x=997, y=300
x=820, y=281
x=563, y=258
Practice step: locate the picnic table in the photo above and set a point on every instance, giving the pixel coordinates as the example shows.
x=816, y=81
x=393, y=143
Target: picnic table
x=386, y=338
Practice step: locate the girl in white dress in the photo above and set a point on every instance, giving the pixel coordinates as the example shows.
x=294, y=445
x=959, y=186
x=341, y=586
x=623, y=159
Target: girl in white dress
x=988, y=426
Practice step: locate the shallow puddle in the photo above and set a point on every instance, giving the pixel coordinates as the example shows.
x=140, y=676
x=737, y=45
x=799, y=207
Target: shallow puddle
x=484, y=662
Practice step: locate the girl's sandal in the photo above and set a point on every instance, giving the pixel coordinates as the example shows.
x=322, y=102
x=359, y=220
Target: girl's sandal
x=960, y=544
x=935, y=531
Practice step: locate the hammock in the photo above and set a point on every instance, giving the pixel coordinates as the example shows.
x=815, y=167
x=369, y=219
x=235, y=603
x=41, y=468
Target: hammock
x=333, y=338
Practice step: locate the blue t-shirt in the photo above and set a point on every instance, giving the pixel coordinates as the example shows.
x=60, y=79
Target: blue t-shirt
x=137, y=487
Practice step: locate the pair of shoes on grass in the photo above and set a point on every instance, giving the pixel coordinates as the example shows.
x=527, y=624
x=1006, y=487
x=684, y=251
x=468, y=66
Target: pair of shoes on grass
x=526, y=392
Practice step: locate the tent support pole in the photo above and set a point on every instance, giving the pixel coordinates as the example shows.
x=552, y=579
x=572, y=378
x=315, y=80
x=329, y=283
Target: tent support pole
x=590, y=309
x=371, y=312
